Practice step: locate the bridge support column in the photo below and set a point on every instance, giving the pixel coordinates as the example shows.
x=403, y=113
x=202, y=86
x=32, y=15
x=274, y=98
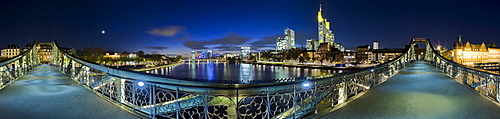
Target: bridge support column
x=342, y=92
x=232, y=109
x=333, y=92
x=497, y=91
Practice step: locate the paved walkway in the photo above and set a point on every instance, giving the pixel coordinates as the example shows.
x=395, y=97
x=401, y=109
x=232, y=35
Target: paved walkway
x=45, y=93
x=420, y=91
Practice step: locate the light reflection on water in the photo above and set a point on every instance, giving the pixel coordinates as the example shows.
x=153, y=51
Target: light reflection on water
x=238, y=71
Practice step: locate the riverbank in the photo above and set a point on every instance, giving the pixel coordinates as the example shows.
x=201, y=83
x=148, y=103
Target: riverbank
x=305, y=65
x=157, y=67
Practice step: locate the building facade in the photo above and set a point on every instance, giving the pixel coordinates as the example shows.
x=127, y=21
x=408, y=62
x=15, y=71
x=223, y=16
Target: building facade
x=112, y=56
x=193, y=55
x=45, y=52
x=245, y=51
x=289, y=38
x=349, y=56
x=288, y=42
x=362, y=54
x=366, y=54
x=384, y=55
x=472, y=54
x=10, y=51
x=312, y=44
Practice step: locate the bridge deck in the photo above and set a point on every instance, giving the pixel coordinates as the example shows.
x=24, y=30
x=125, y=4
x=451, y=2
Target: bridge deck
x=47, y=93
x=420, y=91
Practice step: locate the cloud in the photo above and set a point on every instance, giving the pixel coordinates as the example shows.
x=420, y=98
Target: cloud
x=195, y=45
x=227, y=48
x=169, y=31
x=268, y=40
x=231, y=39
x=158, y=47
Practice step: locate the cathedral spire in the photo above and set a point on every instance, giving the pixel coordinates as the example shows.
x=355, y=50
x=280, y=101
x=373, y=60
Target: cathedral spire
x=460, y=38
x=458, y=43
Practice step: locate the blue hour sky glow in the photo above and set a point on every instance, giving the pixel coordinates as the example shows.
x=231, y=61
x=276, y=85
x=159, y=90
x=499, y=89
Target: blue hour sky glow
x=179, y=27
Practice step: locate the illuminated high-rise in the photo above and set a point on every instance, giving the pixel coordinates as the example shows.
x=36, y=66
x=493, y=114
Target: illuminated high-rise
x=287, y=42
x=290, y=38
x=280, y=43
x=209, y=53
x=325, y=35
x=193, y=55
x=312, y=44
x=245, y=50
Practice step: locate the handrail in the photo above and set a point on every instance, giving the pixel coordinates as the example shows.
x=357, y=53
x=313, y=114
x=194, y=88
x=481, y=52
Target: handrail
x=214, y=93
x=19, y=65
x=166, y=96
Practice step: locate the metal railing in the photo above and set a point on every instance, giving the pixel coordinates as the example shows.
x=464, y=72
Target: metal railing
x=13, y=68
x=162, y=97
x=482, y=81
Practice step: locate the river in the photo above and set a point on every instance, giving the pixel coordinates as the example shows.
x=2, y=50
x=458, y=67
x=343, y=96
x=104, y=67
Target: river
x=238, y=71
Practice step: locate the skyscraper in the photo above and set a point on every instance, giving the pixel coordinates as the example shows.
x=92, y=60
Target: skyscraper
x=245, y=50
x=325, y=35
x=280, y=43
x=287, y=42
x=312, y=44
x=290, y=38
x=193, y=55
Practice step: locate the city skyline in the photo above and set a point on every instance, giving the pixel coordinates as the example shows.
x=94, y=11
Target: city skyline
x=177, y=27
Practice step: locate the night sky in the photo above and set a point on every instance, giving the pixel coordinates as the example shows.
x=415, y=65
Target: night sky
x=179, y=27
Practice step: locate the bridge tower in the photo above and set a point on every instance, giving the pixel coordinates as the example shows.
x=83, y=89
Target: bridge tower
x=421, y=53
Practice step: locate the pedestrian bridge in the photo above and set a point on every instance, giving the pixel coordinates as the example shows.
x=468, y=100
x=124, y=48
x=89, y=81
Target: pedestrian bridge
x=74, y=88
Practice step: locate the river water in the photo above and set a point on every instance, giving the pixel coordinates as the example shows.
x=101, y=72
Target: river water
x=238, y=71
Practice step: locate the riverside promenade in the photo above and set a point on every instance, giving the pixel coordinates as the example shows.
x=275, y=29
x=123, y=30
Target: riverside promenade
x=45, y=93
x=419, y=91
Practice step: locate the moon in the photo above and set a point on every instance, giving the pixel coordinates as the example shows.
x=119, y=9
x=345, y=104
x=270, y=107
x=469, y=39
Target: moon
x=103, y=31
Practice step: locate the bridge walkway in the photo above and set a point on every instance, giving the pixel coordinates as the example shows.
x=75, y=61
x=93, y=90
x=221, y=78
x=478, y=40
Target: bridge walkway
x=46, y=93
x=419, y=91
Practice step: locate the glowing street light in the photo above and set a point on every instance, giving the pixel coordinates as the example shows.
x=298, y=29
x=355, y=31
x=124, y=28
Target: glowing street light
x=140, y=83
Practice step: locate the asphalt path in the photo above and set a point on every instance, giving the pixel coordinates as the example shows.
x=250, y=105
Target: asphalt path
x=45, y=93
x=419, y=91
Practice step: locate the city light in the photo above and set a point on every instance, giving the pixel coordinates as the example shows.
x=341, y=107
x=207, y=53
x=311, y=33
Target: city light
x=140, y=83
x=306, y=84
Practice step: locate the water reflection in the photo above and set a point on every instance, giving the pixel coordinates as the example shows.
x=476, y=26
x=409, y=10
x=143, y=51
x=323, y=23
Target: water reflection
x=245, y=73
x=210, y=70
x=238, y=71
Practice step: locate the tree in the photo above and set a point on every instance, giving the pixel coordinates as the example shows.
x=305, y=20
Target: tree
x=125, y=53
x=140, y=54
x=93, y=51
x=79, y=52
x=111, y=52
x=178, y=57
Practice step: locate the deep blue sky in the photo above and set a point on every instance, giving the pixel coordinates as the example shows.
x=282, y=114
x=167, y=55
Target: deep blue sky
x=178, y=27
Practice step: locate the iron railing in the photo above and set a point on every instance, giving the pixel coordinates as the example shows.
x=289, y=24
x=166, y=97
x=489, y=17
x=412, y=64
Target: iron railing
x=162, y=97
x=13, y=68
x=482, y=81
x=155, y=96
